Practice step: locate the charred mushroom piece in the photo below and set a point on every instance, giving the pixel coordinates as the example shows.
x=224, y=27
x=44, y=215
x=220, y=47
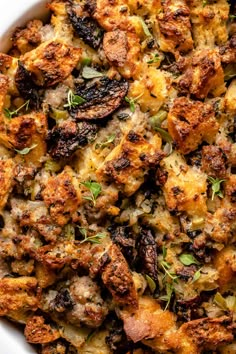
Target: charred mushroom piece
x=63, y=301
x=102, y=96
x=65, y=139
x=85, y=26
x=147, y=252
x=26, y=86
x=122, y=236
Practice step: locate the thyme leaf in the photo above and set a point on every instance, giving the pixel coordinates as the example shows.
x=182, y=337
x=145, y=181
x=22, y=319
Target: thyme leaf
x=151, y=283
x=10, y=114
x=109, y=140
x=94, y=188
x=90, y=73
x=97, y=238
x=25, y=151
x=73, y=100
x=216, y=187
x=187, y=259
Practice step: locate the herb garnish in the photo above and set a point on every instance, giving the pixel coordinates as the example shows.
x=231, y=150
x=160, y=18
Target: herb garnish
x=73, y=100
x=132, y=101
x=204, y=3
x=156, y=122
x=90, y=73
x=166, y=266
x=109, y=140
x=169, y=278
x=155, y=59
x=187, y=259
x=215, y=186
x=197, y=275
x=167, y=297
x=94, y=188
x=25, y=151
x=151, y=283
x=10, y=114
x=86, y=61
x=93, y=239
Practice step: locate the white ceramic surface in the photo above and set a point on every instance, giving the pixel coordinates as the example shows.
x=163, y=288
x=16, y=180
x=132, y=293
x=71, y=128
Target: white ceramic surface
x=15, y=13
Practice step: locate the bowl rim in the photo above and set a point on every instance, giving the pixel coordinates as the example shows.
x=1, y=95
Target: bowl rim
x=17, y=14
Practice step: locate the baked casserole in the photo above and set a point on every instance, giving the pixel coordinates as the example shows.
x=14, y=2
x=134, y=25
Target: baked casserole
x=117, y=177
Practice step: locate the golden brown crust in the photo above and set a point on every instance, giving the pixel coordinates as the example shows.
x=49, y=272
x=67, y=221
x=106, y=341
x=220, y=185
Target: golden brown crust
x=62, y=196
x=37, y=331
x=190, y=123
x=51, y=62
x=127, y=163
x=26, y=39
x=213, y=161
x=207, y=333
x=6, y=180
x=118, y=279
x=205, y=75
x=18, y=294
x=175, y=27
x=115, y=47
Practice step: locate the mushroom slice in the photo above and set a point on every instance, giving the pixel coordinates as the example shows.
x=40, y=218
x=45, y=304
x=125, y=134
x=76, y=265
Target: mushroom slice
x=65, y=139
x=85, y=26
x=26, y=86
x=103, y=96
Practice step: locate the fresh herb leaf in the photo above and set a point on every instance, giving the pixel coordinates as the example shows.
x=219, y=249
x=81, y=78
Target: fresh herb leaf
x=196, y=276
x=132, y=101
x=83, y=231
x=151, y=283
x=168, y=296
x=166, y=266
x=25, y=151
x=90, y=73
x=232, y=17
x=204, y=3
x=86, y=61
x=187, y=259
x=155, y=59
x=145, y=28
x=93, y=239
x=94, y=188
x=215, y=186
x=73, y=100
x=10, y=114
x=109, y=140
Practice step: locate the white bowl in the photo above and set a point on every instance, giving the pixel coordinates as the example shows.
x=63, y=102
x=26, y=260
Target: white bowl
x=15, y=13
